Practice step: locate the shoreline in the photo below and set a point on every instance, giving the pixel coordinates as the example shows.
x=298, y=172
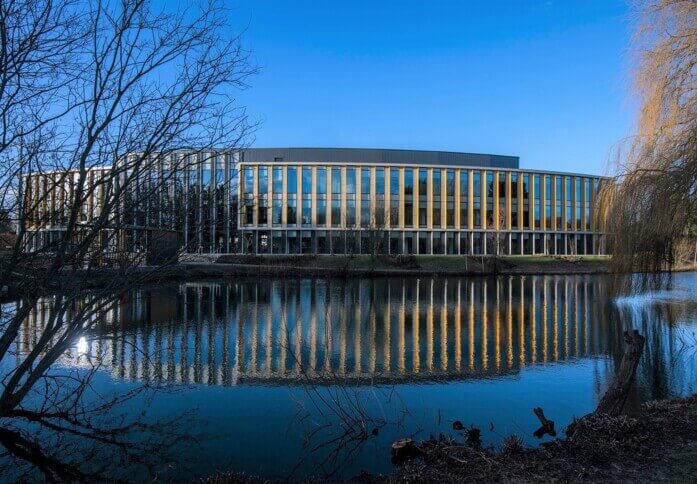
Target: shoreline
x=657, y=444
x=193, y=267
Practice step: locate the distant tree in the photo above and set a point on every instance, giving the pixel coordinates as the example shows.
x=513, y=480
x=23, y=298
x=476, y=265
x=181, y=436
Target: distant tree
x=654, y=200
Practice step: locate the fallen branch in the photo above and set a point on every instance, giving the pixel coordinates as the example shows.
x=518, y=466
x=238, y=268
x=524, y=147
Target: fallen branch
x=547, y=425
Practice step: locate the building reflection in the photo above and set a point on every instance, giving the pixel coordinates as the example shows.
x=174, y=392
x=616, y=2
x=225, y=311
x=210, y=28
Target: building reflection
x=370, y=330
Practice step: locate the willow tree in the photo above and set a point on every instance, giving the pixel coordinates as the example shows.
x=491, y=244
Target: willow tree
x=652, y=207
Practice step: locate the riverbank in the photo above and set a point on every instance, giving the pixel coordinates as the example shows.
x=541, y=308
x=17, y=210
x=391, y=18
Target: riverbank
x=657, y=444
x=193, y=267
x=425, y=265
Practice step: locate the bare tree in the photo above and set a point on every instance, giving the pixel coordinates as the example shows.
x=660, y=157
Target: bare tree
x=654, y=200
x=96, y=100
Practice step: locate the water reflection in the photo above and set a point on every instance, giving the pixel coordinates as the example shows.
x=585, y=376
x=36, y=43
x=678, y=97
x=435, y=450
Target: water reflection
x=374, y=330
x=416, y=353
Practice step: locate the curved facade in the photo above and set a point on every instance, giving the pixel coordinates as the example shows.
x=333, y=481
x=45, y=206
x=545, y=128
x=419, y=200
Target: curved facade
x=344, y=201
x=339, y=201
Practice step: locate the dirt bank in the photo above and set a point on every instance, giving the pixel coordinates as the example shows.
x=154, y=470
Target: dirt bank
x=659, y=443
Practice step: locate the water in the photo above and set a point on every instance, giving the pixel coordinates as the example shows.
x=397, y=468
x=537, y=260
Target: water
x=318, y=377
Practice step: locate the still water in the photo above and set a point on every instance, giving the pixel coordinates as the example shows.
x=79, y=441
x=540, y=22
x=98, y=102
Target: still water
x=318, y=376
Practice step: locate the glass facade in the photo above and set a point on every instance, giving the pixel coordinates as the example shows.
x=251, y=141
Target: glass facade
x=225, y=205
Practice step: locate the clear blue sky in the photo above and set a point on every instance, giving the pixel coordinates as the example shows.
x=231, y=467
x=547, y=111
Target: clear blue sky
x=546, y=80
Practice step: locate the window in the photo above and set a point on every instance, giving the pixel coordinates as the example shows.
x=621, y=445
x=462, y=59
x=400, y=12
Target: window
x=321, y=180
x=292, y=212
x=263, y=183
x=336, y=180
x=526, y=201
x=307, y=181
x=277, y=210
x=515, y=209
x=277, y=180
x=423, y=198
x=321, y=211
x=395, y=200
x=408, y=181
x=394, y=181
x=307, y=211
x=464, y=200
x=292, y=180
x=380, y=181
x=336, y=211
x=477, y=198
x=248, y=179
x=436, y=213
x=538, y=201
x=408, y=197
x=350, y=180
x=365, y=181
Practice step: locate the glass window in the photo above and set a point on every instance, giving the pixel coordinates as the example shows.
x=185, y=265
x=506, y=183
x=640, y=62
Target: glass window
x=365, y=180
x=292, y=180
x=277, y=211
x=336, y=212
x=292, y=212
x=277, y=179
x=350, y=213
x=350, y=180
x=423, y=183
x=436, y=183
x=321, y=180
x=307, y=211
x=394, y=181
x=380, y=181
x=336, y=180
x=321, y=211
x=248, y=179
x=263, y=179
x=307, y=180
x=408, y=181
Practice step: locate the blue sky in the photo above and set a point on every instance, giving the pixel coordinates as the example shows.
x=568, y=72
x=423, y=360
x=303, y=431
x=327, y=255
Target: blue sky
x=543, y=80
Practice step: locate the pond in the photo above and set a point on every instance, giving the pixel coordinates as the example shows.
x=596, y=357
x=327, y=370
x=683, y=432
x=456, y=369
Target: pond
x=316, y=377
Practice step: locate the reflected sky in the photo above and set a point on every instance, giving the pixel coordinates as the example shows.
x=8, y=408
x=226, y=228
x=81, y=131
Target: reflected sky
x=270, y=360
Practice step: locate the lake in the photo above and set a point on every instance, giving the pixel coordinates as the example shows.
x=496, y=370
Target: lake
x=316, y=377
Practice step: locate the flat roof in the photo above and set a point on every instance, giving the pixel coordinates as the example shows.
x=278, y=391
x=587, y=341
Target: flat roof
x=377, y=156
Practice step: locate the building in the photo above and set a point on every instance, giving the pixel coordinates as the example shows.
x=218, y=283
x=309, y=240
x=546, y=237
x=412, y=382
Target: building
x=356, y=201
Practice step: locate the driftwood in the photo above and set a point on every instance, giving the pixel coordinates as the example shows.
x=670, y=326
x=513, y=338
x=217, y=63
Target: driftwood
x=615, y=397
x=612, y=402
x=547, y=425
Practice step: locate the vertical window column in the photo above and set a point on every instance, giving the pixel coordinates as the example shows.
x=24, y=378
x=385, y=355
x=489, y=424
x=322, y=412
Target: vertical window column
x=321, y=197
x=306, y=208
x=450, y=199
x=435, y=199
x=336, y=197
x=277, y=208
x=395, y=199
x=423, y=198
x=292, y=196
x=408, y=197
x=366, y=218
x=477, y=199
x=350, y=197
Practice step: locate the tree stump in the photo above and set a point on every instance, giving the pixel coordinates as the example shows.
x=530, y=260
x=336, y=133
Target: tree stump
x=615, y=397
x=403, y=450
